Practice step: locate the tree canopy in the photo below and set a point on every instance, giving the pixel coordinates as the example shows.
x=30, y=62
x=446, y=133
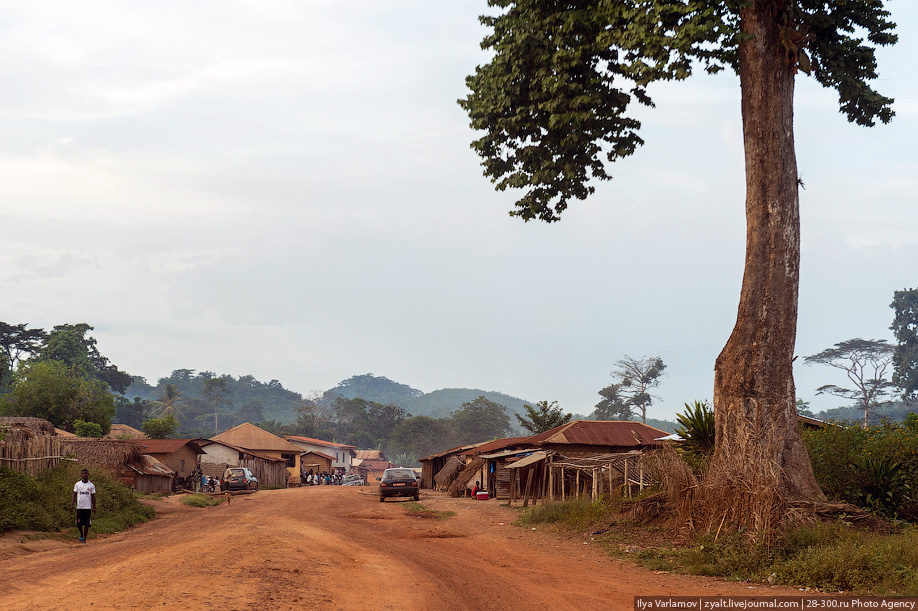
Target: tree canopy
x=543, y=417
x=555, y=100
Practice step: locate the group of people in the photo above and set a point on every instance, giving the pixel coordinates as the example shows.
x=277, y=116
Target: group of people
x=323, y=479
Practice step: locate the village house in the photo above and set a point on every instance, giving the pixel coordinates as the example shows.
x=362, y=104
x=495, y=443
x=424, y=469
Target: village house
x=219, y=455
x=370, y=470
x=342, y=454
x=123, y=431
x=255, y=439
x=316, y=462
x=179, y=455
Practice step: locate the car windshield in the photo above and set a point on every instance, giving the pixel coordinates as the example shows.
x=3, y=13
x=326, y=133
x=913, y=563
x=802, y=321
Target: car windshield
x=398, y=474
x=236, y=473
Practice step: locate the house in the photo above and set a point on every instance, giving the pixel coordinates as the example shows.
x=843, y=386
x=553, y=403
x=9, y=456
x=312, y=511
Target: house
x=254, y=439
x=179, y=455
x=583, y=437
x=371, y=455
x=342, y=454
x=493, y=474
x=316, y=462
x=218, y=455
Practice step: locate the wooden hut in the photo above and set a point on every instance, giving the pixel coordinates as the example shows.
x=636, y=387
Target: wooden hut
x=218, y=455
x=431, y=465
x=148, y=475
x=29, y=445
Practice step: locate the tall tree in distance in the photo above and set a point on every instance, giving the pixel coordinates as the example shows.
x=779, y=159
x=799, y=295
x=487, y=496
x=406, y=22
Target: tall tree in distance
x=553, y=104
x=866, y=363
x=480, y=420
x=215, y=393
x=17, y=342
x=905, y=328
x=638, y=377
x=543, y=417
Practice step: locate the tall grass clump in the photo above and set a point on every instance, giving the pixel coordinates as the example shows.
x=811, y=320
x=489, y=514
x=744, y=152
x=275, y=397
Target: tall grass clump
x=574, y=514
x=43, y=503
x=201, y=500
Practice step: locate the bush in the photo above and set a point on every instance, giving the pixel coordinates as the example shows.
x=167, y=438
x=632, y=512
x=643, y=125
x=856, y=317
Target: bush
x=876, y=468
x=575, y=514
x=43, y=504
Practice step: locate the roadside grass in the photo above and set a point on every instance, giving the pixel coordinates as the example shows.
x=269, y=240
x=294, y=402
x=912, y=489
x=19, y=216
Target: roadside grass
x=832, y=557
x=418, y=510
x=201, y=500
x=43, y=504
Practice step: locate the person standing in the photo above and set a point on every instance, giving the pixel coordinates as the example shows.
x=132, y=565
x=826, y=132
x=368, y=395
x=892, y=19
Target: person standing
x=84, y=501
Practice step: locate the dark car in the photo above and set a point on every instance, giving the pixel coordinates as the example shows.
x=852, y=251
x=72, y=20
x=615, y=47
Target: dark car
x=398, y=482
x=239, y=478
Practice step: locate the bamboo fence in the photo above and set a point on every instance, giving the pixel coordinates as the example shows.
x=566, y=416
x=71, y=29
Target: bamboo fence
x=29, y=445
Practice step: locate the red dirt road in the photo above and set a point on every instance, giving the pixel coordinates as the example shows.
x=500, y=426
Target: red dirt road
x=333, y=548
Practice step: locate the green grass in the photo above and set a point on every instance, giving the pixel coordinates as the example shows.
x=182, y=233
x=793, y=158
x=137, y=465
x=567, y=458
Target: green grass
x=201, y=500
x=43, y=504
x=417, y=509
x=831, y=557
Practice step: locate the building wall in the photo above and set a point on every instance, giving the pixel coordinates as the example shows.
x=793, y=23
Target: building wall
x=174, y=460
x=342, y=455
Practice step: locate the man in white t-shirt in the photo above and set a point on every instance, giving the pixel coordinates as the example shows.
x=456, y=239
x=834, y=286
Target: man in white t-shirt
x=84, y=501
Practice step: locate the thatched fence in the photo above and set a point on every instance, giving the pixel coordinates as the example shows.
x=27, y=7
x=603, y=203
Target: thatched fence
x=29, y=445
x=462, y=479
x=110, y=455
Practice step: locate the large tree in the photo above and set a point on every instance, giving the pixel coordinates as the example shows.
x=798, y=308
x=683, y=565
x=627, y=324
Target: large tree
x=637, y=377
x=72, y=345
x=16, y=343
x=543, y=417
x=480, y=420
x=866, y=363
x=905, y=327
x=553, y=104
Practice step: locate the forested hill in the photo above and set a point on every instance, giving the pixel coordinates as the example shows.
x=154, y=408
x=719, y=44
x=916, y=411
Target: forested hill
x=436, y=404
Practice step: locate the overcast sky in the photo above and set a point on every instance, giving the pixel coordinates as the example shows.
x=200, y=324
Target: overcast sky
x=286, y=189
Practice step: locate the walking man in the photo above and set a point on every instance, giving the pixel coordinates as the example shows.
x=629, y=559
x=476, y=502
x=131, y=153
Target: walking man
x=84, y=500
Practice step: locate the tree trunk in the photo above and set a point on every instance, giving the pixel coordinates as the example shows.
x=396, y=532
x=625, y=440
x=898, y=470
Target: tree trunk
x=759, y=447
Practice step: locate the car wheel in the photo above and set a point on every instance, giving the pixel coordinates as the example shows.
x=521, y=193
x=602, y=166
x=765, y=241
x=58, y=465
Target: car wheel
x=417, y=496
x=382, y=499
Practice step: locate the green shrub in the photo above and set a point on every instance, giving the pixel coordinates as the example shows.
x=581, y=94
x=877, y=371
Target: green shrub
x=876, y=468
x=43, y=504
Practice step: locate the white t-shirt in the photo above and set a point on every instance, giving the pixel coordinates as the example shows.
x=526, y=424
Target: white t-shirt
x=84, y=494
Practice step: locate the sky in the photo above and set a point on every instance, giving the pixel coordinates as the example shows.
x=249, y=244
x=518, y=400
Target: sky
x=285, y=189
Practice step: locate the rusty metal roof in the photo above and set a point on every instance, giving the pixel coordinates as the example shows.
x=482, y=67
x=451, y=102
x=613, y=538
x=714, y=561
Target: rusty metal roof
x=151, y=466
x=494, y=446
x=620, y=433
x=168, y=446
x=319, y=442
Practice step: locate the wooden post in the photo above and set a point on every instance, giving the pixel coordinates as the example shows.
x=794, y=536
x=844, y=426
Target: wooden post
x=595, y=483
x=551, y=483
x=610, y=479
x=627, y=485
x=528, y=488
x=562, y=483
x=641, y=475
x=577, y=483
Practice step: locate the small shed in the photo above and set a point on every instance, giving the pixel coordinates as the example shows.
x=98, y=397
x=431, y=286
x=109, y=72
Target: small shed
x=123, y=431
x=431, y=465
x=369, y=470
x=149, y=475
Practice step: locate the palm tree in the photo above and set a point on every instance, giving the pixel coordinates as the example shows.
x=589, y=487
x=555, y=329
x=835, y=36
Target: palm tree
x=169, y=402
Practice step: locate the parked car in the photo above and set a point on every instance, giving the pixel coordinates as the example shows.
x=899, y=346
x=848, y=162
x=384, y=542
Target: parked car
x=398, y=482
x=352, y=480
x=239, y=478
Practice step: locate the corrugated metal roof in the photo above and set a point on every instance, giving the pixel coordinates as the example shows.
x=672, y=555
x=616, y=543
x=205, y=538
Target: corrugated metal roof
x=319, y=442
x=376, y=465
x=151, y=466
x=250, y=437
x=528, y=460
x=168, y=446
x=325, y=456
x=206, y=442
x=620, y=433
x=455, y=450
x=493, y=446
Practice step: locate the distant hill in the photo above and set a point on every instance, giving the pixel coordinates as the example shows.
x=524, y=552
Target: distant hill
x=372, y=388
x=440, y=403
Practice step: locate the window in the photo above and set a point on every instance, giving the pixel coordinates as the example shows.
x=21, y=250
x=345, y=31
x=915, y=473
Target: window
x=290, y=458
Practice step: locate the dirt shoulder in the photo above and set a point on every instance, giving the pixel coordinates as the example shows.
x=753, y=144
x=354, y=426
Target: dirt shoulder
x=335, y=547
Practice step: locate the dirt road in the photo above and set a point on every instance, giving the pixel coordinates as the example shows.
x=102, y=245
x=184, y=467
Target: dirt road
x=332, y=548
